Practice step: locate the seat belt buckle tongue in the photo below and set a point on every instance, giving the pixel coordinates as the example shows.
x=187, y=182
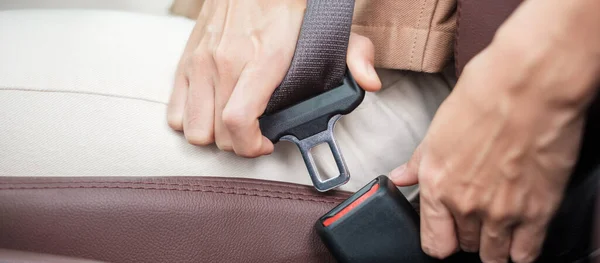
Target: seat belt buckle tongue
x=311, y=123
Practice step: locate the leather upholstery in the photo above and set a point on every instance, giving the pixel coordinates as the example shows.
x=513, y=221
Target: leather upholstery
x=179, y=219
x=173, y=219
x=478, y=21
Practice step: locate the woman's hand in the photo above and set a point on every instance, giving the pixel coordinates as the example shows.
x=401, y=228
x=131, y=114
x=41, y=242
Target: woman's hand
x=237, y=54
x=495, y=162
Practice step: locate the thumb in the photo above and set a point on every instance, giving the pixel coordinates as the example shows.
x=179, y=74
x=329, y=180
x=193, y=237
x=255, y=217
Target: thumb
x=408, y=173
x=360, y=59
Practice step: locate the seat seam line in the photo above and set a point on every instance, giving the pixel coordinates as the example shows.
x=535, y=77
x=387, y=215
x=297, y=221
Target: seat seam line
x=171, y=189
x=82, y=93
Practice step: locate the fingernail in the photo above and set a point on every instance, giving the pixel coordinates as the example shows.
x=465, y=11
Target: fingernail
x=397, y=173
x=427, y=249
x=466, y=248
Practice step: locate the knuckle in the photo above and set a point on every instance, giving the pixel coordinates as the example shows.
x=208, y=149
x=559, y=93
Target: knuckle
x=499, y=215
x=439, y=251
x=533, y=213
x=197, y=132
x=224, y=146
x=175, y=121
x=495, y=218
x=199, y=137
x=448, y=250
x=224, y=57
x=175, y=124
x=248, y=152
x=236, y=117
x=198, y=59
x=233, y=118
x=466, y=207
x=494, y=235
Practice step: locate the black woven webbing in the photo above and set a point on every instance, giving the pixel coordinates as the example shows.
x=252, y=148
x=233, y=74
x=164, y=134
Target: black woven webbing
x=319, y=61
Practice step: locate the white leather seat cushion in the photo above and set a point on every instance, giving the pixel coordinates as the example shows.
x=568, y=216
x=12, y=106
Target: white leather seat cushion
x=84, y=92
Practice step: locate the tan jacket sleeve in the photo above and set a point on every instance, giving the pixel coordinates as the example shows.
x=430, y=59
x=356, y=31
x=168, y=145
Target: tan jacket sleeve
x=416, y=35
x=413, y=35
x=187, y=8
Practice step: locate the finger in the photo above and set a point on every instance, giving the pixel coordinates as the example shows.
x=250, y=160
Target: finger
x=223, y=90
x=247, y=104
x=464, y=207
x=495, y=242
x=468, y=228
x=407, y=174
x=527, y=242
x=176, y=106
x=230, y=65
x=198, y=118
x=402, y=176
x=438, y=234
x=360, y=59
x=227, y=66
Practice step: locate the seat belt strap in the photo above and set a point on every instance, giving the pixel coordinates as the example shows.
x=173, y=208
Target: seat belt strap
x=319, y=62
x=317, y=89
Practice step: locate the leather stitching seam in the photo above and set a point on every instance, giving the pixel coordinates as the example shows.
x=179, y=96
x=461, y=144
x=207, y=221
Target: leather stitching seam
x=195, y=185
x=200, y=178
x=169, y=189
x=211, y=180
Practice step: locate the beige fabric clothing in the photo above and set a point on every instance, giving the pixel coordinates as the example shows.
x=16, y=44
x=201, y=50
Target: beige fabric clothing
x=414, y=35
x=91, y=101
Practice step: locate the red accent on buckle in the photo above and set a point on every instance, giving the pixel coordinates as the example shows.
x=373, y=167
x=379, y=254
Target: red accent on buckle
x=347, y=209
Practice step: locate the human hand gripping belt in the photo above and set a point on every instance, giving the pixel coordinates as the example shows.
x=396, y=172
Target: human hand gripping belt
x=317, y=89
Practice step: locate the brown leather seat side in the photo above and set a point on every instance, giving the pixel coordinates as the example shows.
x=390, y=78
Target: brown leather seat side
x=173, y=219
x=478, y=21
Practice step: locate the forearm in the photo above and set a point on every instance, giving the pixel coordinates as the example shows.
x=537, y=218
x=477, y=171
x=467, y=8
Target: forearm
x=574, y=24
x=556, y=39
